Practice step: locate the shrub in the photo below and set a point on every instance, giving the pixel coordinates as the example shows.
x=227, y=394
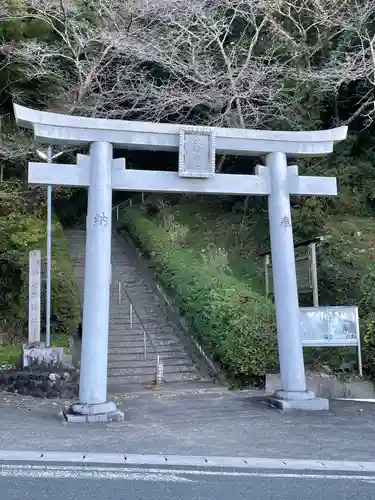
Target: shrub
x=234, y=323
x=20, y=234
x=347, y=277
x=177, y=232
x=215, y=257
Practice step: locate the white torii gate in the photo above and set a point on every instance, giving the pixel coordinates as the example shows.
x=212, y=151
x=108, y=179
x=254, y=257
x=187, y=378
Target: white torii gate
x=197, y=147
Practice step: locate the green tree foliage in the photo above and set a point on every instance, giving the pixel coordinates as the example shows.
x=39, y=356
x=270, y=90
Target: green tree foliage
x=17, y=27
x=22, y=228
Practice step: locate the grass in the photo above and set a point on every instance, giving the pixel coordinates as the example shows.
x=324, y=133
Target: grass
x=10, y=353
x=209, y=225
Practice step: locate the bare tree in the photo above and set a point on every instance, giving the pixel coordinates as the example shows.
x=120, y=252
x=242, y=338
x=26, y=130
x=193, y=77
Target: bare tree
x=13, y=145
x=236, y=63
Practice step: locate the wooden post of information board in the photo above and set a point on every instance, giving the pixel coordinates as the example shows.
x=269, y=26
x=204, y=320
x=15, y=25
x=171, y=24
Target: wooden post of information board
x=314, y=273
x=306, y=267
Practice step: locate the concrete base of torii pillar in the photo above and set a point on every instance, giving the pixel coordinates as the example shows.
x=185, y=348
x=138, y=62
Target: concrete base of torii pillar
x=93, y=405
x=309, y=403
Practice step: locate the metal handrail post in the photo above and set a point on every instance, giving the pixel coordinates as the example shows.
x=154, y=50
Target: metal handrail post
x=144, y=345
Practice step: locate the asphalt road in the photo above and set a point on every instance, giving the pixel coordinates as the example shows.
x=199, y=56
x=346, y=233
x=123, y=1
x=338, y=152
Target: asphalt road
x=195, y=424
x=70, y=482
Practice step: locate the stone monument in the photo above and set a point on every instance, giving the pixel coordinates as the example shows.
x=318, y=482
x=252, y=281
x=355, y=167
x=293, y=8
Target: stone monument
x=35, y=351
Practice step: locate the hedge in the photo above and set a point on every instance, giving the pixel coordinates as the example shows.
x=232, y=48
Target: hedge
x=232, y=322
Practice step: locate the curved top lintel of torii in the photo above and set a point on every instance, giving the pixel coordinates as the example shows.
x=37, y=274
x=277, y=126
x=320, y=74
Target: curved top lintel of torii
x=56, y=128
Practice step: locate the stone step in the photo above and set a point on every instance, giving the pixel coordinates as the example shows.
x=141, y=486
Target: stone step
x=147, y=363
x=139, y=341
x=120, y=266
x=162, y=328
x=129, y=281
x=139, y=349
x=119, y=316
x=125, y=316
x=117, y=269
x=123, y=336
x=130, y=335
x=77, y=240
x=127, y=339
x=122, y=311
x=149, y=378
x=127, y=324
x=149, y=370
x=126, y=360
x=124, y=329
x=138, y=325
x=136, y=367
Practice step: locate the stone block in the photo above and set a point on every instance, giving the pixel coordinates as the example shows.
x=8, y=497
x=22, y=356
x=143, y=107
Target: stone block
x=314, y=404
x=74, y=418
x=40, y=383
x=67, y=359
x=52, y=394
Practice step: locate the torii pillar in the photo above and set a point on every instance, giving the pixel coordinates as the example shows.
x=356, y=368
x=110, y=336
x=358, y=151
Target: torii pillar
x=197, y=147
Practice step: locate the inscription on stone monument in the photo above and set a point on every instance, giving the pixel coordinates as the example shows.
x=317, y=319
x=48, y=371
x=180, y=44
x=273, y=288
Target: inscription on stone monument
x=34, y=296
x=197, y=153
x=41, y=354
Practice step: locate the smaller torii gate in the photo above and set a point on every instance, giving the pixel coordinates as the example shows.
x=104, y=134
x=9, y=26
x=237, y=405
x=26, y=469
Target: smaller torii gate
x=197, y=147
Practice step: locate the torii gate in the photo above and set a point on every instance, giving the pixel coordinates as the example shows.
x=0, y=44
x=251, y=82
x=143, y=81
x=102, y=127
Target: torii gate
x=197, y=147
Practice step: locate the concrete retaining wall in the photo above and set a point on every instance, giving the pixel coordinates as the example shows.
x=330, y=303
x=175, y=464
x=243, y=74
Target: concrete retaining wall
x=326, y=386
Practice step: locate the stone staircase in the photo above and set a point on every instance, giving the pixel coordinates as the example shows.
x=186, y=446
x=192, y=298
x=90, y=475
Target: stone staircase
x=139, y=328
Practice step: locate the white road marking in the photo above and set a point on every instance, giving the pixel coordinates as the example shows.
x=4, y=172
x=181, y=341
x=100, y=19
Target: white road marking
x=166, y=475
x=50, y=472
x=357, y=400
x=202, y=462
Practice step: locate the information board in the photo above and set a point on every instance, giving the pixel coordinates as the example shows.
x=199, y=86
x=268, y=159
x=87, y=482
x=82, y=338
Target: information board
x=329, y=326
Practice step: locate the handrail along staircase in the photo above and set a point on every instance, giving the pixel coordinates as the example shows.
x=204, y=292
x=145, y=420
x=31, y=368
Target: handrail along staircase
x=132, y=310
